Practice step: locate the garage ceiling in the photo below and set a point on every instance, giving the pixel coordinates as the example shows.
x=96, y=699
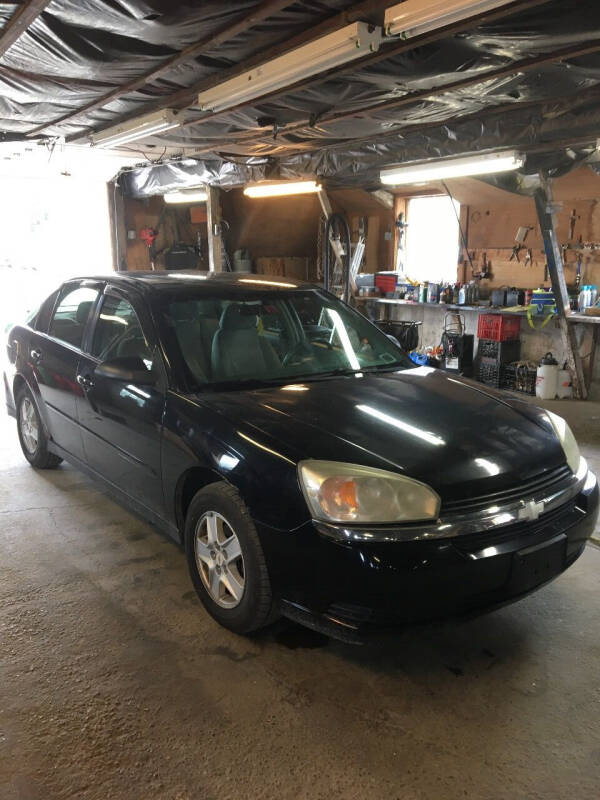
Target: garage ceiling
x=525, y=75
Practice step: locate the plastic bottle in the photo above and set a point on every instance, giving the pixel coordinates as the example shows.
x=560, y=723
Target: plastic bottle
x=564, y=389
x=581, y=300
x=546, y=384
x=594, y=293
x=462, y=295
x=423, y=292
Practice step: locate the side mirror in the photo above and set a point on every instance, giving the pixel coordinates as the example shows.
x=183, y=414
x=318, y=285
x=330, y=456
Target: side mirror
x=129, y=369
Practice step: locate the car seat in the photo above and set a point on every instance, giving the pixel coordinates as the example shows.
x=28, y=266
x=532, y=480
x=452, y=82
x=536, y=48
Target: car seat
x=238, y=351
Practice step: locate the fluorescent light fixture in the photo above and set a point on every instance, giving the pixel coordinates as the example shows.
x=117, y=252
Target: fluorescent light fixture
x=346, y=44
x=139, y=128
x=452, y=168
x=416, y=17
x=269, y=283
x=186, y=196
x=282, y=188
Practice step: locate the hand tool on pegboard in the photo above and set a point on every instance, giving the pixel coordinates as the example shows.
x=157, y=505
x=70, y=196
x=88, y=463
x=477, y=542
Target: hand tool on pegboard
x=572, y=222
x=149, y=235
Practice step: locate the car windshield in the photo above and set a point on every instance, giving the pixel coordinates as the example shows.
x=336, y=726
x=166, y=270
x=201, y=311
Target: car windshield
x=233, y=337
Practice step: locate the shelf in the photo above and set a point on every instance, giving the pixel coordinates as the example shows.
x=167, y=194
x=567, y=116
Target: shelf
x=585, y=318
x=393, y=301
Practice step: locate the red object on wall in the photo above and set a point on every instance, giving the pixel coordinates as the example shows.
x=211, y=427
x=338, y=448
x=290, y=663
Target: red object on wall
x=148, y=235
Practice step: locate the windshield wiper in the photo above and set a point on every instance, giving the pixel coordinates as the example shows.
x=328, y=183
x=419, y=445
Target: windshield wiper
x=384, y=367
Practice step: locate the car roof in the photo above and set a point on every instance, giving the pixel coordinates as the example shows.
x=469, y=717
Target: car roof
x=156, y=281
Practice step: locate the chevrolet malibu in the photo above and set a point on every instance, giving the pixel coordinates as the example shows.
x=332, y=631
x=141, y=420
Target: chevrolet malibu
x=308, y=467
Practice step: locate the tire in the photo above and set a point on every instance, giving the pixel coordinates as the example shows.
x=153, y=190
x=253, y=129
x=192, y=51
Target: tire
x=238, y=597
x=32, y=436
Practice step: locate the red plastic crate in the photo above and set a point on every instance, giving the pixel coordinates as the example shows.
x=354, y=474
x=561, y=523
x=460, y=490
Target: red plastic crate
x=387, y=283
x=499, y=327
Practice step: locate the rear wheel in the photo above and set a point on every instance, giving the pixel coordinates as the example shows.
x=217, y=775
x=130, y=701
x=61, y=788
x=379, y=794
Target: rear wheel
x=226, y=561
x=33, y=439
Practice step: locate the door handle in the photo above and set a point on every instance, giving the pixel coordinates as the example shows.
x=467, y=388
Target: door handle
x=85, y=382
x=36, y=356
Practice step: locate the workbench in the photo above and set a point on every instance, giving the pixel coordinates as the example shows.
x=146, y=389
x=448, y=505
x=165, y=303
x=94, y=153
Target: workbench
x=573, y=318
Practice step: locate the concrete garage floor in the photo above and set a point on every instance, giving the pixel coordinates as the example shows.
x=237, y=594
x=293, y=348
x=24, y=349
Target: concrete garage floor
x=115, y=684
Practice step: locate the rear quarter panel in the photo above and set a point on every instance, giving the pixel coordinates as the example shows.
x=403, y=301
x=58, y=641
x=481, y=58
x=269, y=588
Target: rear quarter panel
x=18, y=368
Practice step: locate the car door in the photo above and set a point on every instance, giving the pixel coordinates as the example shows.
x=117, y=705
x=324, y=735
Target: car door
x=54, y=358
x=121, y=421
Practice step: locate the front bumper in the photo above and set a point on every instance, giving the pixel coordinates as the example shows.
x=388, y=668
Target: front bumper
x=349, y=588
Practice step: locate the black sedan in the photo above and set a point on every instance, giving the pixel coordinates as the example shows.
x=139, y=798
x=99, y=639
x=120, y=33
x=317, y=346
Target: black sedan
x=306, y=464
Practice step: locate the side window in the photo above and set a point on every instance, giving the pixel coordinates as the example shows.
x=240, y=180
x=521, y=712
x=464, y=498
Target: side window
x=42, y=318
x=118, y=332
x=72, y=313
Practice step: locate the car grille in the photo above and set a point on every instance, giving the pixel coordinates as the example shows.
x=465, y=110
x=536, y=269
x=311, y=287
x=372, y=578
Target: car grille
x=542, y=484
x=548, y=524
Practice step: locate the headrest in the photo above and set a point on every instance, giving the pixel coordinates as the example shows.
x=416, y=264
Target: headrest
x=83, y=311
x=184, y=311
x=210, y=309
x=238, y=317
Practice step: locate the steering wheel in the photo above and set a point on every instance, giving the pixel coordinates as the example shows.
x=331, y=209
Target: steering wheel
x=323, y=341
x=298, y=354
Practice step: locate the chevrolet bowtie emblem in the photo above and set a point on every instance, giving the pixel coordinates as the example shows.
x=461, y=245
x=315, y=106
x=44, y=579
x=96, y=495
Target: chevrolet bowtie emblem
x=530, y=510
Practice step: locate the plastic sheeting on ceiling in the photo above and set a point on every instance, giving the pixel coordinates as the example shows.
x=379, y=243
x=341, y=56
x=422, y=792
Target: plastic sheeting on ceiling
x=77, y=50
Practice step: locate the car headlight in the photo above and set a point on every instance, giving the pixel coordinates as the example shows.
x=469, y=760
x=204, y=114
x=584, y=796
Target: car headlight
x=337, y=492
x=567, y=440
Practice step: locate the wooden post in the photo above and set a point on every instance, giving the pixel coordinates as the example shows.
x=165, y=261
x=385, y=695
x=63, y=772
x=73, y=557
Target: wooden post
x=546, y=210
x=116, y=213
x=215, y=242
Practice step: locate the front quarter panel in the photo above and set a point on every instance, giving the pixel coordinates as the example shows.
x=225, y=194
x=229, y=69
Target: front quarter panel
x=196, y=435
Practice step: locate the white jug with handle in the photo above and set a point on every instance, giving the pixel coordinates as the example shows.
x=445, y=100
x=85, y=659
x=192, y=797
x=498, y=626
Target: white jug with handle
x=565, y=388
x=546, y=384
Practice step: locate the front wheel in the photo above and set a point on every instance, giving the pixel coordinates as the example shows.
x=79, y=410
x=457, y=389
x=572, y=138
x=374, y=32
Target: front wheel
x=33, y=439
x=226, y=561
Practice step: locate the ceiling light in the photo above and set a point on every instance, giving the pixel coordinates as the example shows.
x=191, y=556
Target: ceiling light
x=346, y=44
x=186, y=196
x=138, y=128
x=269, y=283
x=281, y=188
x=415, y=17
x=452, y=168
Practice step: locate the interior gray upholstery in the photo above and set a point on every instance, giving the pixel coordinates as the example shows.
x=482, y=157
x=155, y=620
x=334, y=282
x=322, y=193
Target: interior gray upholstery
x=238, y=350
x=83, y=311
x=195, y=326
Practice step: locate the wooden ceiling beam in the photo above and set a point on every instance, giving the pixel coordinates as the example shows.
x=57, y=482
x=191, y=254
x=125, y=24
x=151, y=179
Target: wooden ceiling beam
x=23, y=17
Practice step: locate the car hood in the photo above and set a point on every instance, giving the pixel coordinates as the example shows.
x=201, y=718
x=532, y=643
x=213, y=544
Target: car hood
x=452, y=435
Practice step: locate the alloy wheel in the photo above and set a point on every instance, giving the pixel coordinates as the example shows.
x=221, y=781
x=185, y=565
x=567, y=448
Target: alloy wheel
x=29, y=426
x=219, y=559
